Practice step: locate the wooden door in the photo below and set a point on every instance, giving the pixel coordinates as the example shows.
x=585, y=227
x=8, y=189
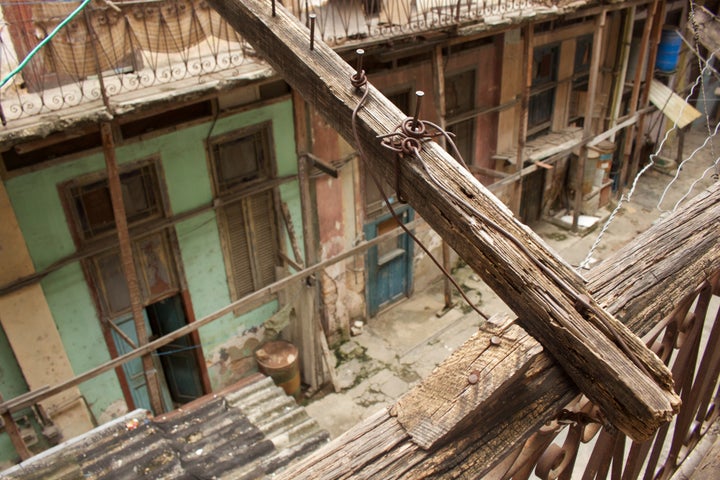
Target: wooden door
x=389, y=264
x=179, y=363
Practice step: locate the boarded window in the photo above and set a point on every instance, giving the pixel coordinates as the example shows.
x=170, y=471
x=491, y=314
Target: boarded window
x=247, y=220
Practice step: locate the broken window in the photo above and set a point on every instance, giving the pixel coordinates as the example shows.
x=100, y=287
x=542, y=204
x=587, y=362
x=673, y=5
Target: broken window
x=542, y=90
x=581, y=76
x=91, y=211
x=459, y=112
x=241, y=166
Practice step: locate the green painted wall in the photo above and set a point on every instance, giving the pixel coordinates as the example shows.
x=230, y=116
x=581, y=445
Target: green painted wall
x=12, y=384
x=36, y=200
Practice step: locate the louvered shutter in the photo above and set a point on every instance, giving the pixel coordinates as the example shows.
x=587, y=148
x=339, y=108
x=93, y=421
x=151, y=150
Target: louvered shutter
x=239, y=249
x=263, y=238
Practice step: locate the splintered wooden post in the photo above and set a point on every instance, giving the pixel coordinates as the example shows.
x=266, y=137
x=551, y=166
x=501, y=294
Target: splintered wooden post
x=605, y=360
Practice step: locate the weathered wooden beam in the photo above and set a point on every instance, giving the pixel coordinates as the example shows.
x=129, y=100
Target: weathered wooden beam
x=547, y=295
x=523, y=389
x=13, y=432
x=128, y=264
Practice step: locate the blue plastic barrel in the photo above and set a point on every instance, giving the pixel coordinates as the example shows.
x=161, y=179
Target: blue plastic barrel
x=668, y=50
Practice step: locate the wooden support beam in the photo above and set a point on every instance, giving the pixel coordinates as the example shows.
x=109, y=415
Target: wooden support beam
x=550, y=299
x=635, y=95
x=527, y=66
x=13, y=432
x=287, y=219
x=657, y=24
x=128, y=265
x=438, y=69
x=519, y=388
x=588, y=118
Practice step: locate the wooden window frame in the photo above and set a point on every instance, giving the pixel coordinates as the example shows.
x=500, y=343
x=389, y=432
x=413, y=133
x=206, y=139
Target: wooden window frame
x=268, y=172
x=152, y=164
x=543, y=86
x=241, y=195
x=459, y=117
x=90, y=265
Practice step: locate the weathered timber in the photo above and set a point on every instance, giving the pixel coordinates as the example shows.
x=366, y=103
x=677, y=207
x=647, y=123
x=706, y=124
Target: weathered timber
x=128, y=264
x=515, y=398
x=547, y=295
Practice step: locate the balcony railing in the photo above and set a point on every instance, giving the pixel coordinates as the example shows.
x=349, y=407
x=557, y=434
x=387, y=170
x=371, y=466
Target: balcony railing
x=119, y=47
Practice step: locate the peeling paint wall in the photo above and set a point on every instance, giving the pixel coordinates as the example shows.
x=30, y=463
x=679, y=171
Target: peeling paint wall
x=37, y=204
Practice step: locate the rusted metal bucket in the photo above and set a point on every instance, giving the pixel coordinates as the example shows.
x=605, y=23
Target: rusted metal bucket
x=278, y=359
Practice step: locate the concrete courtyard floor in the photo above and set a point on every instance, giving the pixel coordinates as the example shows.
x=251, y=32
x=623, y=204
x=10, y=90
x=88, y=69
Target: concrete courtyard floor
x=404, y=343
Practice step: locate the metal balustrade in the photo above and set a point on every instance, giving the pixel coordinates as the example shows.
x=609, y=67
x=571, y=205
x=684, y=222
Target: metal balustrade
x=116, y=48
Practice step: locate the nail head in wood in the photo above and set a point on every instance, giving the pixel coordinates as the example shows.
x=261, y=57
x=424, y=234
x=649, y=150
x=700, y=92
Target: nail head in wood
x=360, y=52
x=419, y=95
x=312, y=31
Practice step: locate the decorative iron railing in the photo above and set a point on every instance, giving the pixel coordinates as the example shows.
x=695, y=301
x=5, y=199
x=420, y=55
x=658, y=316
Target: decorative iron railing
x=574, y=446
x=120, y=47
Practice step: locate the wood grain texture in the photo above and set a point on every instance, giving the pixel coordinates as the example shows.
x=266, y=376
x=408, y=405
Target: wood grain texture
x=539, y=287
x=624, y=283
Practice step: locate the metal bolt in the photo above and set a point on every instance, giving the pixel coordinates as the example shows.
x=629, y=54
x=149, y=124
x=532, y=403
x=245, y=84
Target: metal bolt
x=419, y=95
x=360, y=52
x=473, y=377
x=312, y=31
x=495, y=341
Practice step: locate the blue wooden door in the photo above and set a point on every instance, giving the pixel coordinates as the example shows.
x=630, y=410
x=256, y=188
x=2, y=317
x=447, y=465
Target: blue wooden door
x=134, y=374
x=178, y=359
x=389, y=264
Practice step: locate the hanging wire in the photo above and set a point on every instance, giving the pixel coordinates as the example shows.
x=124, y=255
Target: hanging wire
x=359, y=81
x=626, y=197
x=708, y=139
x=44, y=41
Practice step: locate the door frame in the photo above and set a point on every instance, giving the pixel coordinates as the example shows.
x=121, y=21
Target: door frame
x=372, y=304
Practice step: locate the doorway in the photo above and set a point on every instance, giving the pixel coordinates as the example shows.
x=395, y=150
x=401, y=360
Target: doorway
x=389, y=264
x=176, y=362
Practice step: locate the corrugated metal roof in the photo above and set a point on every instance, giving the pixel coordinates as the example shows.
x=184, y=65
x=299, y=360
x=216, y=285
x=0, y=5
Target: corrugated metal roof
x=247, y=431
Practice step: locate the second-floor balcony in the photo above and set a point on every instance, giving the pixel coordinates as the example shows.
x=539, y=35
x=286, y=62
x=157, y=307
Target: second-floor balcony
x=125, y=47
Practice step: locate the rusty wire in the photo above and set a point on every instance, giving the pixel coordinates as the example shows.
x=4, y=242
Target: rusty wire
x=359, y=81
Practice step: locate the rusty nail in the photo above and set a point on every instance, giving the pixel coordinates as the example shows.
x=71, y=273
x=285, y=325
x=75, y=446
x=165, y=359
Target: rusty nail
x=473, y=377
x=312, y=31
x=495, y=341
x=360, y=52
x=419, y=95
x=273, y=8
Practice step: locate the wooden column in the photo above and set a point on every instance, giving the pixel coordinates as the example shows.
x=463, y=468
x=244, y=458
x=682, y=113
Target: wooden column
x=527, y=62
x=128, y=265
x=589, y=109
x=307, y=333
x=657, y=22
x=14, y=433
x=607, y=362
x=619, y=87
x=439, y=86
x=635, y=95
